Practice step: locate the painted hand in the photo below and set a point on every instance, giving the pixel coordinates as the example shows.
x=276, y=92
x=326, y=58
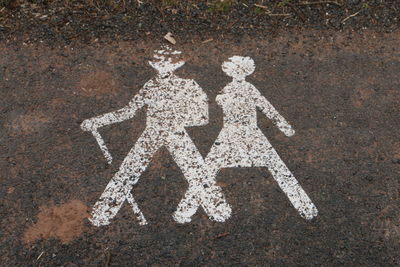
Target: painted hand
x=88, y=125
x=289, y=132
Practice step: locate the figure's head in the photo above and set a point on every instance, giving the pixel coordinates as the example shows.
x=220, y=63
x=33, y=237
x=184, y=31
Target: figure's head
x=238, y=67
x=165, y=60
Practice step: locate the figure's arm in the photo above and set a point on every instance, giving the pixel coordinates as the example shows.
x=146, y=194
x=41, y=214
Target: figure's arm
x=122, y=114
x=272, y=113
x=199, y=111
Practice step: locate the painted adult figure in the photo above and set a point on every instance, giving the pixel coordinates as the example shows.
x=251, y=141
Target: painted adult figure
x=172, y=104
x=242, y=144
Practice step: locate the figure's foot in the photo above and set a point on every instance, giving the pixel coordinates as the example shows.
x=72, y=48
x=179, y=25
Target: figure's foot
x=102, y=213
x=186, y=209
x=309, y=211
x=99, y=220
x=214, y=203
x=181, y=218
x=220, y=212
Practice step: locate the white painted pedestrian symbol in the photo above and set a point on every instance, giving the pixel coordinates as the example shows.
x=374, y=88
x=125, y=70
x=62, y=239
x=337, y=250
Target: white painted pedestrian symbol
x=242, y=144
x=172, y=104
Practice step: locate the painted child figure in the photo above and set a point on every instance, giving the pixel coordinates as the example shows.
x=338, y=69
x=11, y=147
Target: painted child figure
x=242, y=144
x=172, y=104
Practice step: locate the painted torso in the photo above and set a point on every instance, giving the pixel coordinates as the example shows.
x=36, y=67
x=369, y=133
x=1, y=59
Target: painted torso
x=238, y=105
x=173, y=102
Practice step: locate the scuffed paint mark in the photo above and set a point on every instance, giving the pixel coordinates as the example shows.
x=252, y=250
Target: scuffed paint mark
x=242, y=144
x=172, y=104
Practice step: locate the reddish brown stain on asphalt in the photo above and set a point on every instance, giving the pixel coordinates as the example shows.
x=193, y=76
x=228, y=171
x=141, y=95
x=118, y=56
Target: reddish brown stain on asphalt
x=97, y=83
x=64, y=222
x=29, y=123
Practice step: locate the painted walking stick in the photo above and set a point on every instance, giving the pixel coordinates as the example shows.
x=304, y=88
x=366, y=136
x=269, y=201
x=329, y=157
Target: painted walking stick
x=102, y=146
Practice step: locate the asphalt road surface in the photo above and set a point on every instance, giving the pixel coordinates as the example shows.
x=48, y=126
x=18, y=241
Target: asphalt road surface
x=339, y=91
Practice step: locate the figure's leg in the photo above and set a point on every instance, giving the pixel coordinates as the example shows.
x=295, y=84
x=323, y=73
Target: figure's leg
x=202, y=186
x=118, y=189
x=289, y=185
x=190, y=203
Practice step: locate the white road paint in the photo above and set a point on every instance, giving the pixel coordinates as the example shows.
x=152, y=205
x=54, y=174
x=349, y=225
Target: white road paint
x=172, y=104
x=242, y=144
x=102, y=146
x=136, y=209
